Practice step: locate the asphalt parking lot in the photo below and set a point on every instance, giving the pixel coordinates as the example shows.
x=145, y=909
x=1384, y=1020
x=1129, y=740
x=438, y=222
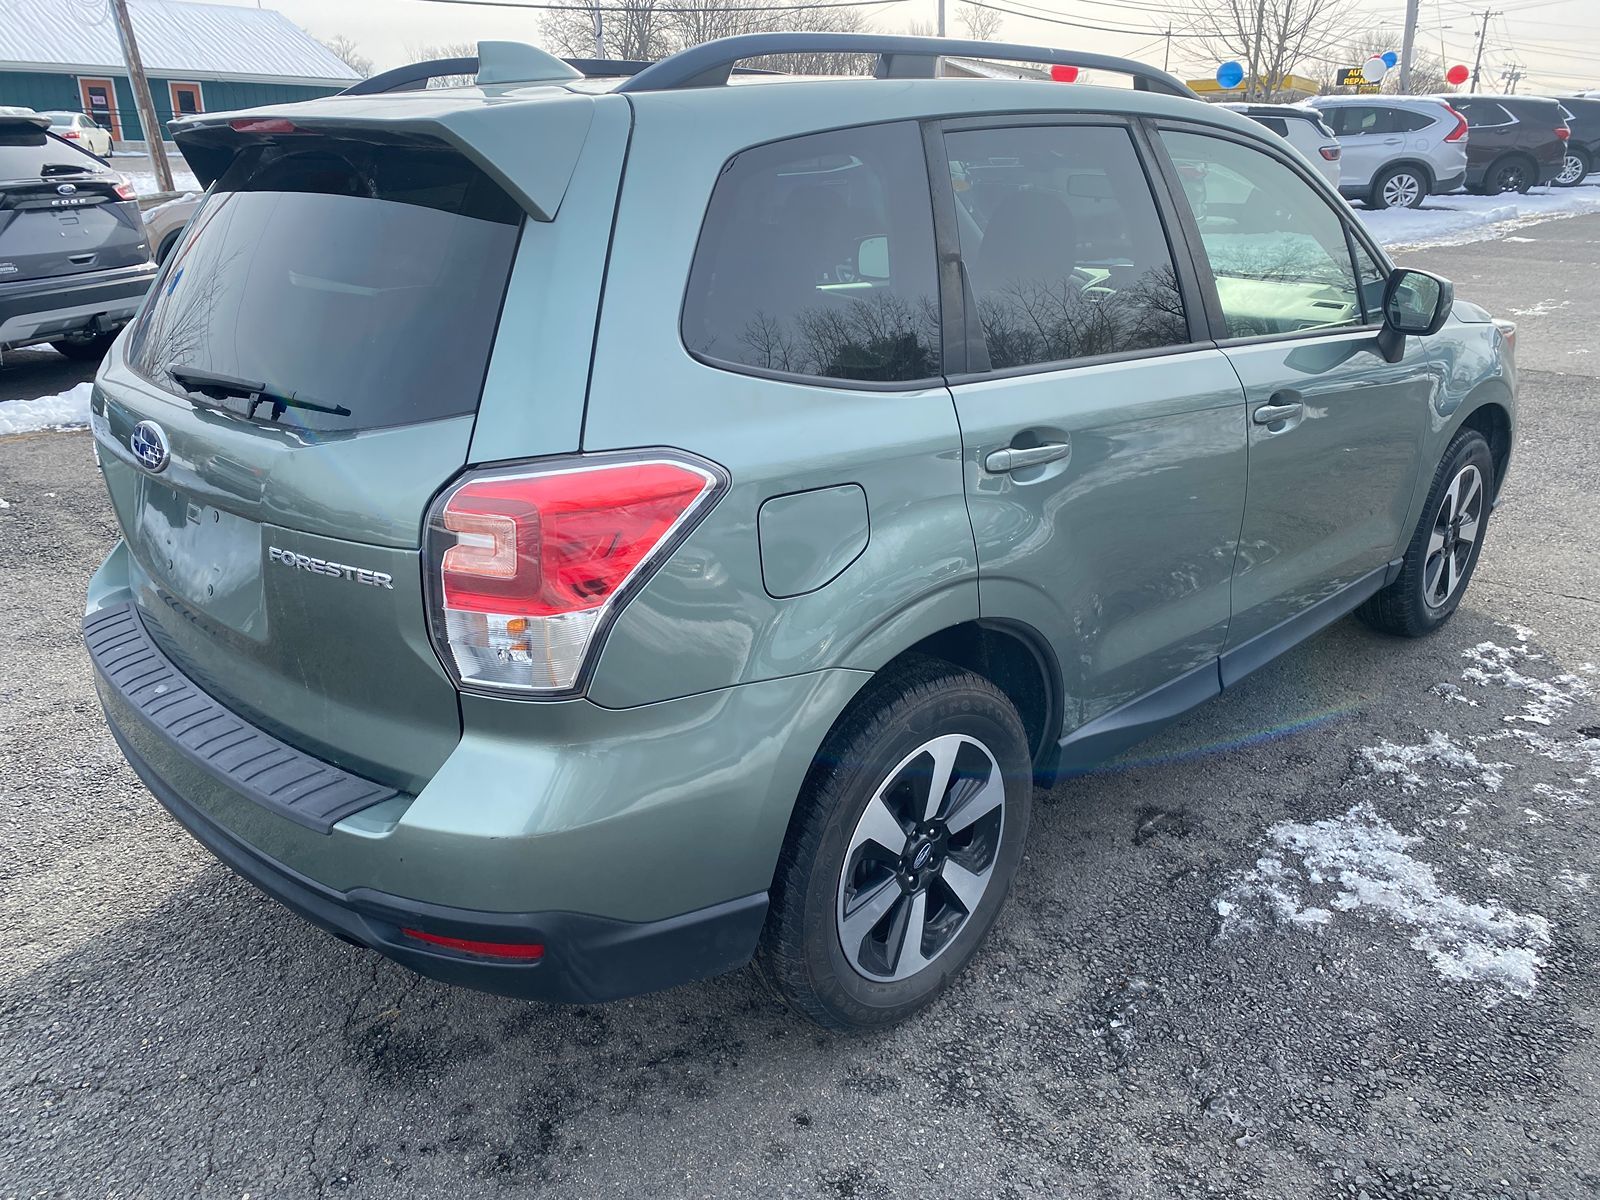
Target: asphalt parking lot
x=1333, y=935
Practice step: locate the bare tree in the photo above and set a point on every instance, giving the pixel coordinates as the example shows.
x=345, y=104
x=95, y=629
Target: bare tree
x=1427, y=69
x=425, y=53
x=637, y=30
x=981, y=24
x=1270, y=37
x=345, y=49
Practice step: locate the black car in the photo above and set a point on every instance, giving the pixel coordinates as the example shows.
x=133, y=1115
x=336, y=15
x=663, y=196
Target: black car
x=74, y=259
x=1514, y=142
x=1583, y=145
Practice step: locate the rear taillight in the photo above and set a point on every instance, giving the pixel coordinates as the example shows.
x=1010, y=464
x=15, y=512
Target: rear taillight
x=264, y=125
x=1331, y=153
x=1563, y=132
x=1508, y=332
x=527, y=565
x=1460, y=131
x=72, y=135
x=125, y=189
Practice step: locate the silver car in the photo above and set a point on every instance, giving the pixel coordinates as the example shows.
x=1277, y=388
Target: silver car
x=1304, y=129
x=1398, y=150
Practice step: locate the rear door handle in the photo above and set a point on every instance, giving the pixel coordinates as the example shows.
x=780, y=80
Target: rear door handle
x=1015, y=458
x=1271, y=414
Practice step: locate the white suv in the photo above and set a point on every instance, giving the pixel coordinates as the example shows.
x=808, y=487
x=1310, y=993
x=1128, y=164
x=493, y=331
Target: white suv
x=1304, y=129
x=1398, y=150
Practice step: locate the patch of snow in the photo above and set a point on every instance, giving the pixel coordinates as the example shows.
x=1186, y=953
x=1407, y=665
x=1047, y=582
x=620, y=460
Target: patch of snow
x=1498, y=665
x=1368, y=866
x=1403, y=764
x=4, y=503
x=1574, y=881
x=144, y=182
x=1542, y=309
x=1449, y=691
x=69, y=410
x=1454, y=220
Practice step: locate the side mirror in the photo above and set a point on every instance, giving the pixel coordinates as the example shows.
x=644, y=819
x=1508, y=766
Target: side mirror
x=1414, y=302
x=872, y=259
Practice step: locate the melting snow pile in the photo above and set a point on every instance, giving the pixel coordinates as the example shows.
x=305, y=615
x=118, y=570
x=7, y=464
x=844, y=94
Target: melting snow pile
x=68, y=410
x=1360, y=862
x=1453, y=220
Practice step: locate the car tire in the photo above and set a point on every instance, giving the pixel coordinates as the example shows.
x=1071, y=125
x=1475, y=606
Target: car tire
x=167, y=243
x=1576, y=166
x=1399, y=187
x=88, y=349
x=111, y=147
x=1438, y=563
x=1513, y=173
x=839, y=883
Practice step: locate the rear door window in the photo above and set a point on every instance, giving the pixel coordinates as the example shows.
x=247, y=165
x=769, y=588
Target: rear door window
x=816, y=258
x=1064, y=251
x=360, y=284
x=28, y=152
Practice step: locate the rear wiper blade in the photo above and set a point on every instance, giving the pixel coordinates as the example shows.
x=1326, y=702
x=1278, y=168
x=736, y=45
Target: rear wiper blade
x=66, y=169
x=215, y=386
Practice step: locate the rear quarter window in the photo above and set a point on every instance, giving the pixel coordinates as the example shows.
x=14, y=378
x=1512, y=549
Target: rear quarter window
x=816, y=258
x=345, y=274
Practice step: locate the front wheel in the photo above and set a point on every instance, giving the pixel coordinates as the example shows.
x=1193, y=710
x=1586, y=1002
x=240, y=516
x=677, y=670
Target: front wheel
x=1444, y=550
x=902, y=849
x=1399, y=187
x=1574, y=167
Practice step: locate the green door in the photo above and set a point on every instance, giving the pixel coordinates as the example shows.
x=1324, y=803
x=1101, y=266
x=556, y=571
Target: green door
x=1335, y=430
x=1104, y=442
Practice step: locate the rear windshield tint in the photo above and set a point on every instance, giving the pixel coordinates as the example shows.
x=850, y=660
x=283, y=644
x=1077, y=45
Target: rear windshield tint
x=28, y=152
x=340, y=274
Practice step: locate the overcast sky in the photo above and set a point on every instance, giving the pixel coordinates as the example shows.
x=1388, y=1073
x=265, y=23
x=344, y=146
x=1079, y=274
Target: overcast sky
x=1557, y=42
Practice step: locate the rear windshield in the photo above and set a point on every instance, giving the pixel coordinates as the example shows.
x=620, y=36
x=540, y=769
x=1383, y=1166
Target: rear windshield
x=337, y=275
x=27, y=152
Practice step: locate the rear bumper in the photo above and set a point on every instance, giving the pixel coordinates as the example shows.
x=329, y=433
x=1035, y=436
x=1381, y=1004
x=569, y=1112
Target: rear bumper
x=1452, y=183
x=38, y=310
x=636, y=845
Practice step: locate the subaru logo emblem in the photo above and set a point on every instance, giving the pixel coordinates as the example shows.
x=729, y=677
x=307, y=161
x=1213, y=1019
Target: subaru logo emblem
x=149, y=446
x=67, y=189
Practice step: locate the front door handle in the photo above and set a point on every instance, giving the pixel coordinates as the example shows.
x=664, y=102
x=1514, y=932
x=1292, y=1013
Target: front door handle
x=1015, y=458
x=1271, y=414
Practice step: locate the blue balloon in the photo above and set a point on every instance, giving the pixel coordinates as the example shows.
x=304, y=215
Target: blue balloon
x=1390, y=58
x=1230, y=75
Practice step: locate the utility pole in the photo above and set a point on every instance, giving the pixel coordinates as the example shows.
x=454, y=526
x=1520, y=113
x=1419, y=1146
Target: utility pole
x=1483, y=36
x=941, y=18
x=599, y=33
x=153, y=133
x=1509, y=77
x=1408, y=44
x=1166, y=55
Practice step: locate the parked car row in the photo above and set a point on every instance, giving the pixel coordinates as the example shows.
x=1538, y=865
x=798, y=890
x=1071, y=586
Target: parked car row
x=1396, y=151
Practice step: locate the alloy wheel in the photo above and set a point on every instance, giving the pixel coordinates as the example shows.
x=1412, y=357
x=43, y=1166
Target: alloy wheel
x=1402, y=191
x=1571, y=170
x=921, y=858
x=1510, y=178
x=1455, y=534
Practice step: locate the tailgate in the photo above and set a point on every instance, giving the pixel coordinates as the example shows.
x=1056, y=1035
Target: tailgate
x=304, y=377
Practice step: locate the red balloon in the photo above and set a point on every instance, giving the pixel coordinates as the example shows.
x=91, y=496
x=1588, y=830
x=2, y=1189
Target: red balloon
x=1064, y=74
x=1457, y=75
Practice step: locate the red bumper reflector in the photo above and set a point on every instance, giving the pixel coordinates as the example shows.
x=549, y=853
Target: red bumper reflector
x=525, y=951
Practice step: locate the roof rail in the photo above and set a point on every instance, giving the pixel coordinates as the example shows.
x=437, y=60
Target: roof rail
x=414, y=76
x=899, y=57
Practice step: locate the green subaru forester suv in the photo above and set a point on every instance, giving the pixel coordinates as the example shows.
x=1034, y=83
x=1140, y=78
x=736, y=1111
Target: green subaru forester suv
x=589, y=529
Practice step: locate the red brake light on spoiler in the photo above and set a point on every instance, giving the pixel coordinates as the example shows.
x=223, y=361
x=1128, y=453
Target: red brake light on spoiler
x=263, y=125
x=1460, y=131
x=527, y=563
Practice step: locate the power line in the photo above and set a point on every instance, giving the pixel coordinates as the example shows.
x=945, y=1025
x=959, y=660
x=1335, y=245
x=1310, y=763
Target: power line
x=1028, y=16
x=668, y=9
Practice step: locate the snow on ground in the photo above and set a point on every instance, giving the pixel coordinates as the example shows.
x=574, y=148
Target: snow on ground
x=68, y=410
x=1453, y=220
x=144, y=182
x=1359, y=861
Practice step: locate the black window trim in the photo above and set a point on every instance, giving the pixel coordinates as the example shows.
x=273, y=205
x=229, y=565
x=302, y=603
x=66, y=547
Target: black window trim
x=800, y=377
x=1178, y=248
x=1319, y=185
